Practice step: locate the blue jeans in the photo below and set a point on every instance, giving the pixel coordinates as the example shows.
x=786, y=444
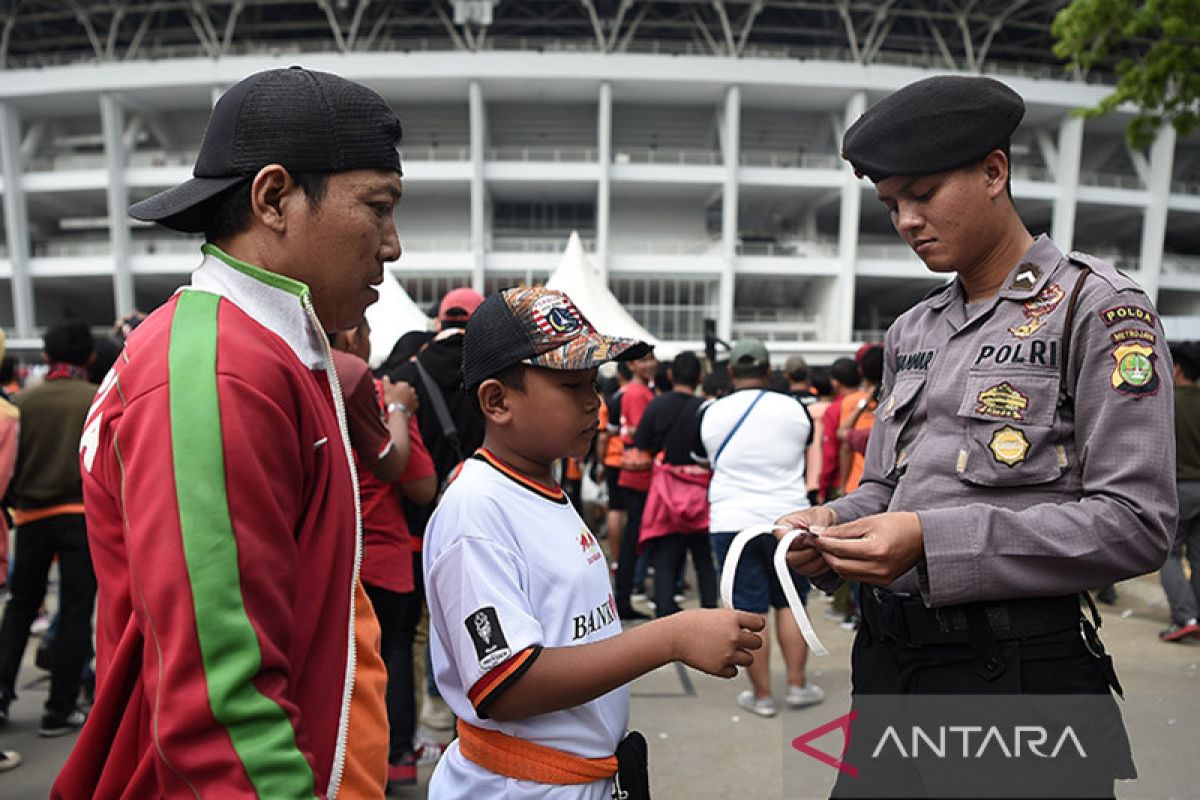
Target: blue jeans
x=755, y=586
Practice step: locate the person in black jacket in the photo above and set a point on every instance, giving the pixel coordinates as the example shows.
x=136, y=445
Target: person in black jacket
x=442, y=362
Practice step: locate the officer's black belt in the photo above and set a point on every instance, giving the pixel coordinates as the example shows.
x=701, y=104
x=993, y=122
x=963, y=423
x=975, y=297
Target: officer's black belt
x=904, y=618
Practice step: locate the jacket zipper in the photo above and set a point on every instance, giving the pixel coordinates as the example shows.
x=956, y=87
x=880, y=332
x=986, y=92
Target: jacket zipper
x=335, y=387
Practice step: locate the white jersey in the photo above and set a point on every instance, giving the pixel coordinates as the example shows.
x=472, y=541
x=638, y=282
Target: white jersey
x=511, y=568
x=760, y=475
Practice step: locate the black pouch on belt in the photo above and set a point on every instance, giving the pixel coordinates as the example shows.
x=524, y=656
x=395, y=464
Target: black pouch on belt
x=632, y=781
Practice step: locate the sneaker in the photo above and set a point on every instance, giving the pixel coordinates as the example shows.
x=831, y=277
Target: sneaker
x=763, y=706
x=54, y=725
x=9, y=759
x=639, y=595
x=1179, y=632
x=680, y=599
x=631, y=613
x=807, y=695
x=403, y=773
x=40, y=625
x=428, y=753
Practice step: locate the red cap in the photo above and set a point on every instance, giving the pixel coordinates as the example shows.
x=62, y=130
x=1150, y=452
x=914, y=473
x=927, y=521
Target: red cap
x=459, y=304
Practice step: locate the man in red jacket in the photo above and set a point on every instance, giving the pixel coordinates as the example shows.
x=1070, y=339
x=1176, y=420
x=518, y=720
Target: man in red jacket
x=237, y=654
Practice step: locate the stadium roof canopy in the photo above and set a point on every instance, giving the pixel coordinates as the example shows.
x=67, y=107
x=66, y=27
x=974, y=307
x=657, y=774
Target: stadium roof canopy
x=971, y=35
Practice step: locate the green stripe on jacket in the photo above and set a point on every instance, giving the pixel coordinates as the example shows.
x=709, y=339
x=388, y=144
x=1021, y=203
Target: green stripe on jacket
x=259, y=728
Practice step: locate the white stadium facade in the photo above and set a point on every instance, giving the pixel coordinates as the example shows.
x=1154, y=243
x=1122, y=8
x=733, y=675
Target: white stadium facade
x=693, y=145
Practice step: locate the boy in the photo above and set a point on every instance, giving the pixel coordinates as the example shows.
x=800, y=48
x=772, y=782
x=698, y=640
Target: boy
x=527, y=647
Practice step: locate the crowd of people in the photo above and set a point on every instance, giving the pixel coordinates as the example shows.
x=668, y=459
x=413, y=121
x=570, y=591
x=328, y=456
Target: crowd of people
x=300, y=558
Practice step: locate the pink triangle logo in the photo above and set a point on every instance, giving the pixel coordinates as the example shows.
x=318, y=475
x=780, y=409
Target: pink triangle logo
x=801, y=743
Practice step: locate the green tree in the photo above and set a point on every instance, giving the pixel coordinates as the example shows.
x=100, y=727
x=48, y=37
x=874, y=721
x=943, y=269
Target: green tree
x=1153, y=47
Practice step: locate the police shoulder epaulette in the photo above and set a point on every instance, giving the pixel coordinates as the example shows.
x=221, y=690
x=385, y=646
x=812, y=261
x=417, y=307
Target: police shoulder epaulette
x=1115, y=278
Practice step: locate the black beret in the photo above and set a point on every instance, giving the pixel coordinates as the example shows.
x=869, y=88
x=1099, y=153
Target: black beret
x=933, y=125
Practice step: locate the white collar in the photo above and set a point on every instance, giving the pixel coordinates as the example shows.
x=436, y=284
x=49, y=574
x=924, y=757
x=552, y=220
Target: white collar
x=274, y=301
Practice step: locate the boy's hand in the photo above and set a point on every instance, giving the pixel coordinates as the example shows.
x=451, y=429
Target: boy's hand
x=716, y=641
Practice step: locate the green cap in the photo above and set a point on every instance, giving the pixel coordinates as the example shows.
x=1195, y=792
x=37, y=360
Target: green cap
x=749, y=353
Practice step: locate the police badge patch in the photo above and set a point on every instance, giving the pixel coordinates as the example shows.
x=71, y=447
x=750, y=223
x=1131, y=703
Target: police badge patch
x=490, y=645
x=1009, y=445
x=1134, y=373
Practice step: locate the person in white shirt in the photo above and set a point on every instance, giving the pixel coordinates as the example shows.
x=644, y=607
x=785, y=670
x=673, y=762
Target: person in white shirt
x=756, y=442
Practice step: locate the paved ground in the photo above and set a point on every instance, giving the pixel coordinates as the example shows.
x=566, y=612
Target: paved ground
x=703, y=746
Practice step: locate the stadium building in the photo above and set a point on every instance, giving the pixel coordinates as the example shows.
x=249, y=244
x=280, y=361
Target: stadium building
x=693, y=145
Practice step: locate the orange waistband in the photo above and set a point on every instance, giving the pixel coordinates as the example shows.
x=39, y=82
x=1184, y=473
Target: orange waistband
x=527, y=761
x=23, y=516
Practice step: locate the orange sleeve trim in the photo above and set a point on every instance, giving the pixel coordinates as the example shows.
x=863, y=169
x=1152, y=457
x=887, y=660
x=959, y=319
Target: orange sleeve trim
x=523, y=760
x=22, y=516
x=493, y=684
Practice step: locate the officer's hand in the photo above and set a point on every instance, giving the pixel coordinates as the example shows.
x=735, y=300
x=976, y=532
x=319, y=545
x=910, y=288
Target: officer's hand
x=716, y=641
x=818, y=516
x=400, y=392
x=876, y=550
x=802, y=556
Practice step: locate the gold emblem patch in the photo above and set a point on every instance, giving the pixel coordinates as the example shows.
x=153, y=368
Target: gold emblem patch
x=1003, y=400
x=1046, y=301
x=1009, y=445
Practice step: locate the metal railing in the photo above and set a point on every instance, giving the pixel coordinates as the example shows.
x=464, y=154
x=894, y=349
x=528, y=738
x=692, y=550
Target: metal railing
x=503, y=243
x=435, y=244
x=671, y=321
x=666, y=248
x=435, y=153
x=760, y=158
x=666, y=155
x=103, y=247
x=801, y=249
x=1111, y=180
x=555, y=154
x=776, y=324
x=184, y=158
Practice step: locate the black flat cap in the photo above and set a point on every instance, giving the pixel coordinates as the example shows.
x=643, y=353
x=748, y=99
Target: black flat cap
x=305, y=120
x=933, y=125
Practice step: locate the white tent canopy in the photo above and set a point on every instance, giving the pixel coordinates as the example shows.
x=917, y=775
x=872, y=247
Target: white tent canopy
x=392, y=316
x=580, y=279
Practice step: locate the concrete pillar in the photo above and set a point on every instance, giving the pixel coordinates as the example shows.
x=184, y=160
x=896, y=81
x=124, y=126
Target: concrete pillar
x=1154, y=223
x=478, y=122
x=112, y=122
x=731, y=153
x=16, y=220
x=1066, y=178
x=841, y=316
x=604, y=148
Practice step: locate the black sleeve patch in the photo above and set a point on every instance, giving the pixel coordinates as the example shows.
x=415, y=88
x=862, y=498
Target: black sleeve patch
x=1111, y=316
x=488, y=637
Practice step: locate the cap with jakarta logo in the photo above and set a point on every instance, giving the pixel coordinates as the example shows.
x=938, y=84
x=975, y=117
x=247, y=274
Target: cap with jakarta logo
x=539, y=327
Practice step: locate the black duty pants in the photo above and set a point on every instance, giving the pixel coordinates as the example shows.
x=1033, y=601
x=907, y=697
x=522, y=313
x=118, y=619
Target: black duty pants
x=1050, y=664
x=635, y=503
x=398, y=615
x=38, y=542
x=668, y=554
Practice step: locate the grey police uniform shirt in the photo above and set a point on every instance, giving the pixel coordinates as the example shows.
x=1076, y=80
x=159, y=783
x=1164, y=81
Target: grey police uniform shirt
x=1039, y=463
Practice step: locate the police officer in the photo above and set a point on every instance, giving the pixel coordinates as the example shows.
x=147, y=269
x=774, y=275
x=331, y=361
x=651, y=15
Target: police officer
x=1023, y=447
